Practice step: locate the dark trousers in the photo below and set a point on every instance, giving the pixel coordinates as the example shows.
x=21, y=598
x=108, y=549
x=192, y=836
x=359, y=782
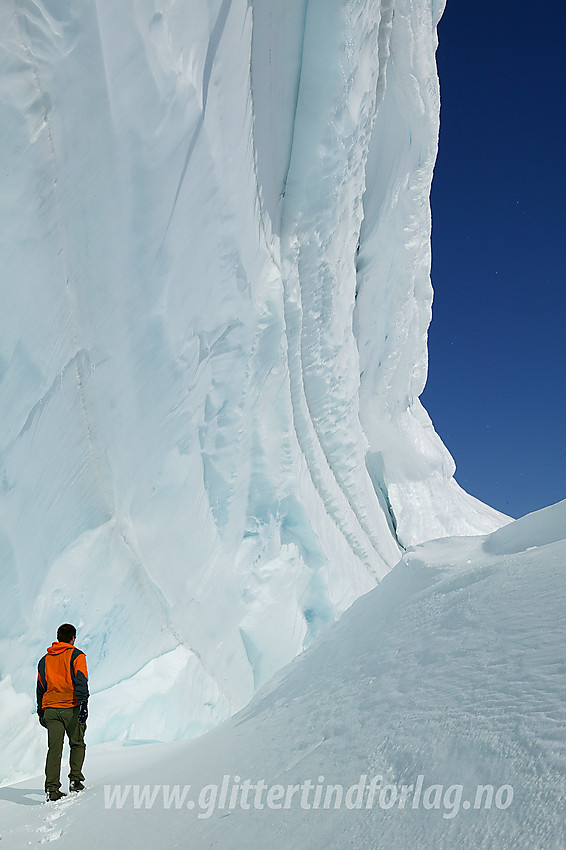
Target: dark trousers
x=60, y=721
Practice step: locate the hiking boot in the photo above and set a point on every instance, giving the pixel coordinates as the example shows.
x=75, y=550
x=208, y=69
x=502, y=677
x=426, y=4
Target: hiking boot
x=54, y=794
x=76, y=785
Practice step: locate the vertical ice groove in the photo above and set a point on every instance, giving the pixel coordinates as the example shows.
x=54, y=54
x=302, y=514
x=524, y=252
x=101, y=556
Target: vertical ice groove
x=23, y=29
x=316, y=432
x=213, y=43
x=337, y=506
x=317, y=465
x=105, y=64
x=384, y=47
x=80, y=364
x=345, y=514
x=276, y=67
x=298, y=88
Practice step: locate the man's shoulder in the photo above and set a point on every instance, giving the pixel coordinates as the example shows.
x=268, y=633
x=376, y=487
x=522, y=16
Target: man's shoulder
x=76, y=654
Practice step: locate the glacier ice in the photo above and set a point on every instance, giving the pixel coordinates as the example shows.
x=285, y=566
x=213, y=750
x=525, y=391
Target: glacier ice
x=215, y=298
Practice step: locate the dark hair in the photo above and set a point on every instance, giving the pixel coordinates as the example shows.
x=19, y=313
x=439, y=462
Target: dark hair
x=66, y=633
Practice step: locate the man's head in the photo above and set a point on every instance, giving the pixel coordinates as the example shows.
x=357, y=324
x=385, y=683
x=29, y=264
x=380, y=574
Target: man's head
x=66, y=633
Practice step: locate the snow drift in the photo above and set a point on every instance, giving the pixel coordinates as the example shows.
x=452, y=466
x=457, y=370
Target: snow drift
x=451, y=669
x=215, y=299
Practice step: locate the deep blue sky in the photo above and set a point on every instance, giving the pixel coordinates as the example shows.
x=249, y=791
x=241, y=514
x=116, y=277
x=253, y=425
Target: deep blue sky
x=497, y=343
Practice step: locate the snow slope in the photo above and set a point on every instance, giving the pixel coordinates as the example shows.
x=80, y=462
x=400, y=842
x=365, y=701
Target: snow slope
x=215, y=259
x=451, y=669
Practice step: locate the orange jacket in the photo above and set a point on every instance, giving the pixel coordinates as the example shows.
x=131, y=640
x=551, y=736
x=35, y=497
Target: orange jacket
x=62, y=678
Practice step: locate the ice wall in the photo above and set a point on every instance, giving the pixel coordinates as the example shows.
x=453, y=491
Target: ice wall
x=214, y=302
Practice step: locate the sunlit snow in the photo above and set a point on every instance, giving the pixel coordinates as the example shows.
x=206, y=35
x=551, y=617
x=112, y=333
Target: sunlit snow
x=450, y=670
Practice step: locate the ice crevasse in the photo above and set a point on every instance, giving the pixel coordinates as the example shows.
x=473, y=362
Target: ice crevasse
x=215, y=295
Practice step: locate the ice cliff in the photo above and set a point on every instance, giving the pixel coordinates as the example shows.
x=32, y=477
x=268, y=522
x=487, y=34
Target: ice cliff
x=215, y=295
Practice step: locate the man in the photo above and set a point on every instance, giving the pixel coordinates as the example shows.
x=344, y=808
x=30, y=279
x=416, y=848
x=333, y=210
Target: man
x=62, y=706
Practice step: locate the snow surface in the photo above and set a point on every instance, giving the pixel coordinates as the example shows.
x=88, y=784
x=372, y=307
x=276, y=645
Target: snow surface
x=452, y=668
x=215, y=253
